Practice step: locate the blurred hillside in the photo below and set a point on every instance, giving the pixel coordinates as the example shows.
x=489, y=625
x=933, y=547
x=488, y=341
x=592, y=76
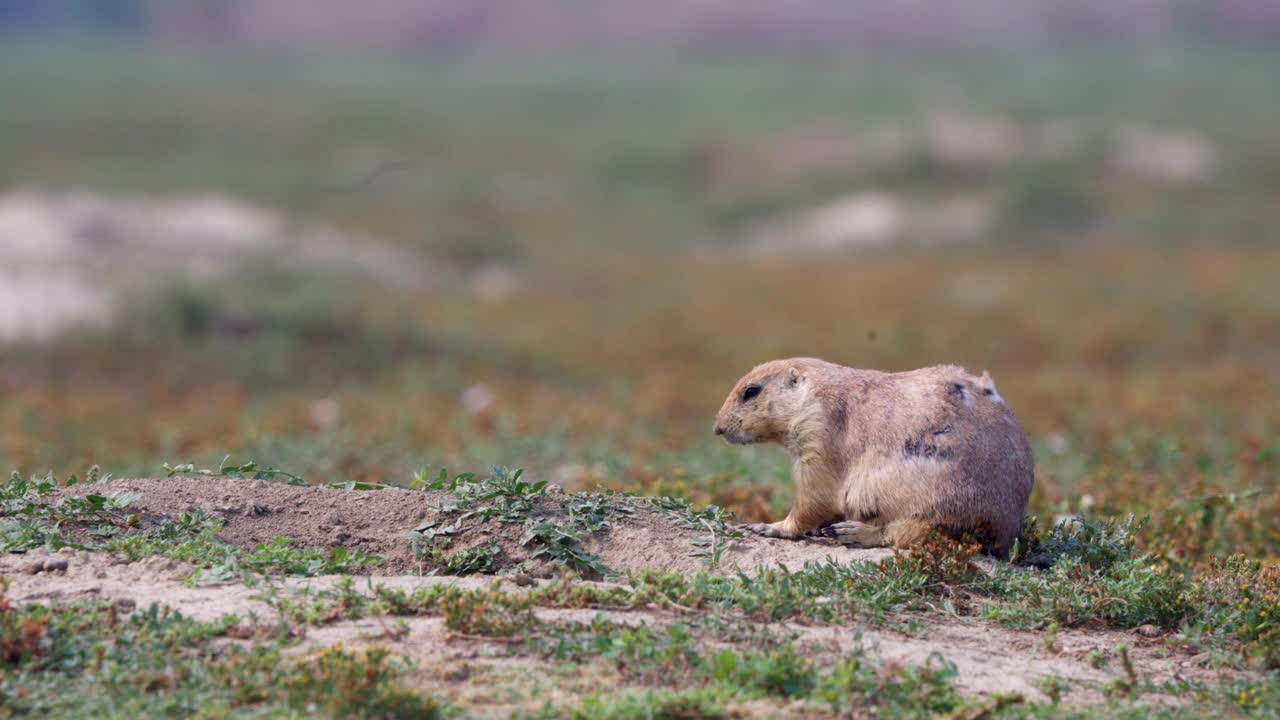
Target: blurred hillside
x=471, y=24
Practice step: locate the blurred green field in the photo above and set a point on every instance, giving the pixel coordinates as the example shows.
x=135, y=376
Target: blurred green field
x=1137, y=332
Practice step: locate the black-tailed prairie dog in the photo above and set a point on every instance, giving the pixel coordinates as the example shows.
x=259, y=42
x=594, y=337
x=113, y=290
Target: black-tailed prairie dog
x=879, y=459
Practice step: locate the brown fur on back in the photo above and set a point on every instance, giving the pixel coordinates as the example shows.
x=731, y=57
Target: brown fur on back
x=930, y=448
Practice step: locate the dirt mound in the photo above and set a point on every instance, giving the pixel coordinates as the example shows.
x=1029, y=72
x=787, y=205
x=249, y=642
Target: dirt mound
x=635, y=534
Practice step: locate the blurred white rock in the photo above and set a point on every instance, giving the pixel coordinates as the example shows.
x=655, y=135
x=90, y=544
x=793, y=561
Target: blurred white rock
x=69, y=258
x=35, y=305
x=863, y=219
x=1057, y=443
x=874, y=219
x=1170, y=156
x=477, y=399
x=326, y=413
x=868, y=218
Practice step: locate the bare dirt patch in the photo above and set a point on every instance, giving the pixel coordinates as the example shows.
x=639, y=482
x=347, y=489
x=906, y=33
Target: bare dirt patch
x=256, y=511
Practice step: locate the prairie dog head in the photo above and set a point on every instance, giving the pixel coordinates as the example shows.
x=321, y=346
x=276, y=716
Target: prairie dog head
x=763, y=404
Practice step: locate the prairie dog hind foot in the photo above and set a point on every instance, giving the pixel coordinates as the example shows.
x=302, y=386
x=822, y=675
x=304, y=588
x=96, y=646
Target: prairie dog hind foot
x=855, y=534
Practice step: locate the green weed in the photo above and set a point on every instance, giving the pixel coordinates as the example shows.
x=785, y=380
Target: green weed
x=28, y=522
x=487, y=613
x=249, y=470
x=503, y=496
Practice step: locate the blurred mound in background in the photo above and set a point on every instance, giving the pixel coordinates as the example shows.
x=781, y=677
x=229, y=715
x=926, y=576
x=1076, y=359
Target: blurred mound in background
x=70, y=258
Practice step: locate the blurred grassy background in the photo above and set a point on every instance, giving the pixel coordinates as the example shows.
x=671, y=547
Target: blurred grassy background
x=1133, y=322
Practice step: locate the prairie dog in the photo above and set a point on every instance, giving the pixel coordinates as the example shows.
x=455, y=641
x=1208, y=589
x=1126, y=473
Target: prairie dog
x=879, y=459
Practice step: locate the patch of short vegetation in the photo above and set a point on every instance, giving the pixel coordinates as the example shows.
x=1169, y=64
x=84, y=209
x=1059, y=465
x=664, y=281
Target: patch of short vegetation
x=480, y=559
x=486, y=613
x=87, y=659
x=703, y=702
x=1097, y=577
x=1100, y=577
x=703, y=664
x=1240, y=598
x=553, y=524
x=29, y=523
x=676, y=658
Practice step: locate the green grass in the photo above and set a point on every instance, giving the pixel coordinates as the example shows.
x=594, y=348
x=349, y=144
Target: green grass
x=673, y=658
x=274, y=126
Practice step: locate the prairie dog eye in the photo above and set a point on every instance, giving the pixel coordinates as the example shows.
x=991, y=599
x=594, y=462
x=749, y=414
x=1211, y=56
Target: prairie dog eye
x=750, y=392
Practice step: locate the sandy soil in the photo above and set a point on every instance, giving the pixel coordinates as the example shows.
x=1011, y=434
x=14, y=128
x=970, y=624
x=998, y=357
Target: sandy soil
x=988, y=658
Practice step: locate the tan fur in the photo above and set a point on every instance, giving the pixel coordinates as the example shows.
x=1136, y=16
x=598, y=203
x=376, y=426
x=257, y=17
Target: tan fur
x=892, y=455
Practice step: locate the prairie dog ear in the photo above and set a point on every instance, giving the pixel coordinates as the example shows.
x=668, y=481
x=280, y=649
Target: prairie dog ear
x=793, y=376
